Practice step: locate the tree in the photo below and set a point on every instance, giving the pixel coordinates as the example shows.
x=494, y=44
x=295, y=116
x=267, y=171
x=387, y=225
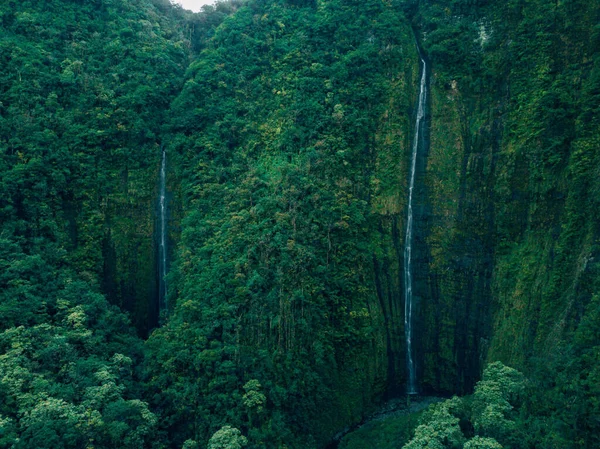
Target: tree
x=254, y=400
x=490, y=412
x=440, y=429
x=482, y=443
x=227, y=437
x=494, y=400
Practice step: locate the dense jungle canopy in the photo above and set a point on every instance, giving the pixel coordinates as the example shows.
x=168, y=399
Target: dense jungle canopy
x=287, y=128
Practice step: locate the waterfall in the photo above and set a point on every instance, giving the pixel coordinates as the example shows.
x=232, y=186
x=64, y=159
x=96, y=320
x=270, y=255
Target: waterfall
x=408, y=275
x=162, y=235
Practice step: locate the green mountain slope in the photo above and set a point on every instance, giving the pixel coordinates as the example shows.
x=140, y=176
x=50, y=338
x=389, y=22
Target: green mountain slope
x=288, y=128
x=84, y=87
x=285, y=133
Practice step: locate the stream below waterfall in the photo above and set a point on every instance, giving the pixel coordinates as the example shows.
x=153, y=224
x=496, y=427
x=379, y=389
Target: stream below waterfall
x=391, y=409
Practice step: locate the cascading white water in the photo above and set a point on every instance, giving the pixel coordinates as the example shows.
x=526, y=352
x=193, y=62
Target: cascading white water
x=162, y=245
x=408, y=277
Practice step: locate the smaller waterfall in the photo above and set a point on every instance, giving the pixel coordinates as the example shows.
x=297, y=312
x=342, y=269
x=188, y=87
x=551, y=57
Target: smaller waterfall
x=162, y=235
x=408, y=275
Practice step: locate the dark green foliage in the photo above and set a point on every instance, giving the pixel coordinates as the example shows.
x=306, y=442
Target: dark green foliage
x=67, y=383
x=506, y=410
x=488, y=419
x=277, y=133
x=82, y=100
x=513, y=83
x=288, y=126
x=439, y=429
x=227, y=438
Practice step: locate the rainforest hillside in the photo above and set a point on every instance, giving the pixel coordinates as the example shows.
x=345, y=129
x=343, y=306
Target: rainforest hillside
x=288, y=134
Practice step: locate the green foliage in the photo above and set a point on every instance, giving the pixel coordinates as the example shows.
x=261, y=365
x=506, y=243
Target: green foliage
x=482, y=443
x=439, y=429
x=512, y=180
x=227, y=437
x=78, y=131
x=63, y=385
x=190, y=444
x=494, y=400
x=276, y=150
x=490, y=414
x=253, y=398
x=83, y=101
x=287, y=125
x=387, y=433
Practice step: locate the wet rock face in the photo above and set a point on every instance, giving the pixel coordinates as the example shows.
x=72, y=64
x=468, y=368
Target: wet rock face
x=454, y=247
x=508, y=209
x=452, y=254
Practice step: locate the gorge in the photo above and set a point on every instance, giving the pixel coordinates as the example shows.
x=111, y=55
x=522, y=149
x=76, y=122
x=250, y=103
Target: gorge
x=345, y=217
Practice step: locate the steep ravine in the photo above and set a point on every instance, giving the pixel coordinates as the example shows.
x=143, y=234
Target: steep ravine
x=294, y=222
x=297, y=139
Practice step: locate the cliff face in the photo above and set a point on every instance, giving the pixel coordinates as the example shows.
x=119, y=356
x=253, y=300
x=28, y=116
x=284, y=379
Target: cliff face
x=292, y=141
x=293, y=147
x=511, y=180
x=545, y=272
x=288, y=147
x=83, y=102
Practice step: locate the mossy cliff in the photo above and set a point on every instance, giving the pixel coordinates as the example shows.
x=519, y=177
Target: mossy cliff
x=288, y=127
x=291, y=143
x=294, y=135
x=512, y=183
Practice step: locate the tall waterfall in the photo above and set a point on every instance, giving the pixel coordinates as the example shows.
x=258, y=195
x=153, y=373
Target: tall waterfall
x=162, y=235
x=408, y=243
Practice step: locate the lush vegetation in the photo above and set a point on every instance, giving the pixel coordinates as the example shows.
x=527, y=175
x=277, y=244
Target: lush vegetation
x=503, y=412
x=514, y=251
x=388, y=432
x=489, y=419
x=276, y=138
x=84, y=90
x=288, y=127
